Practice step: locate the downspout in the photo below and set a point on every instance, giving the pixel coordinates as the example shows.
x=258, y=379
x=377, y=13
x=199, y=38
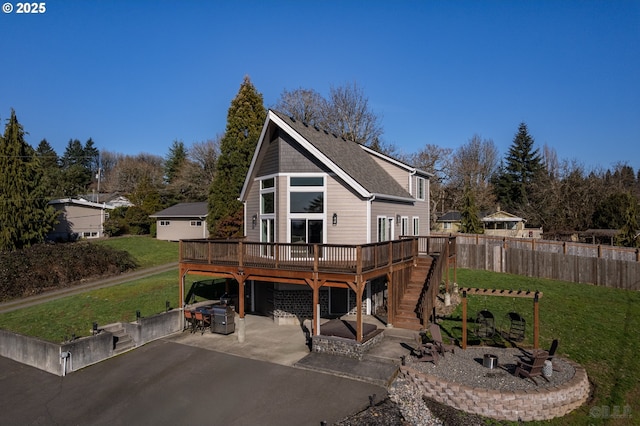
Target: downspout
x=369, y=201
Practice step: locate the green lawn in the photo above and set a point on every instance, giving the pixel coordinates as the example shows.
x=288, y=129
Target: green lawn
x=597, y=327
x=146, y=250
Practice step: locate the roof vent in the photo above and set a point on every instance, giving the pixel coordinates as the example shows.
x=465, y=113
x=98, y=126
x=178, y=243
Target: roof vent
x=292, y=119
x=326, y=133
x=316, y=127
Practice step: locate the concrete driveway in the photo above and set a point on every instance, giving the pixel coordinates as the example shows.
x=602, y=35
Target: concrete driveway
x=165, y=382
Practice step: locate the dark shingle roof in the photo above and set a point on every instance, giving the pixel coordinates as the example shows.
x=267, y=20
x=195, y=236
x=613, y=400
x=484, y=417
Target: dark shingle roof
x=184, y=210
x=350, y=157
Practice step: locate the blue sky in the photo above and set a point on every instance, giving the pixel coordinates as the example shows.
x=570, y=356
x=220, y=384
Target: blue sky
x=137, y=75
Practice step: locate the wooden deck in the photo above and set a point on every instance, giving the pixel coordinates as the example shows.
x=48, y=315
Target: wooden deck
x=315, y=265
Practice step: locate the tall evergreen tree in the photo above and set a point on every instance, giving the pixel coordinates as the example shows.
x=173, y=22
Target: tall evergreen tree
x=175, y=161
x=514, y=179
x=50, y=167
x=245, y=119
x=469, y=220
x=25, y=217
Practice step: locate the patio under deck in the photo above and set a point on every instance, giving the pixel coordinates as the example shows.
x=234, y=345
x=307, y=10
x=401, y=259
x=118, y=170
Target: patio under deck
x=315, y=265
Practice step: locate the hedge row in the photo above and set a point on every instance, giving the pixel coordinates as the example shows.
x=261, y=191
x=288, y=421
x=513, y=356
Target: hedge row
x=50, y=266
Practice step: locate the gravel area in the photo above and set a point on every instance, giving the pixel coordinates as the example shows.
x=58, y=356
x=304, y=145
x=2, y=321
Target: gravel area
x=465, y=367
x=405, y=405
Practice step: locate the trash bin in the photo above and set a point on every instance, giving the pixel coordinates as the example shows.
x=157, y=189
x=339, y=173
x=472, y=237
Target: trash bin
x=222, y=319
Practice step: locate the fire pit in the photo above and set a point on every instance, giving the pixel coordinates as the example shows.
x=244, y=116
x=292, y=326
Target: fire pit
x=490, y=361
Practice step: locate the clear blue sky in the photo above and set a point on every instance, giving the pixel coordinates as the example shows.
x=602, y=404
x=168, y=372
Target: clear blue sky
x=137, y=75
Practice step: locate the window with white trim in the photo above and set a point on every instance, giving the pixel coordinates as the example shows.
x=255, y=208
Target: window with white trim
x=404, y=226
x=196, y=223
x=165, y=223
x=306, y=210
x=420, y=188
x=416, y=226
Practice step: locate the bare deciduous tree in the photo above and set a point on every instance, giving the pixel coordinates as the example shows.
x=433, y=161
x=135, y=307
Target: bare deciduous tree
x=346, y=113
x=472, y=166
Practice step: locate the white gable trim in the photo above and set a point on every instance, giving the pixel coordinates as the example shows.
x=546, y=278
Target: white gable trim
x=400, y=164
x=271, y=117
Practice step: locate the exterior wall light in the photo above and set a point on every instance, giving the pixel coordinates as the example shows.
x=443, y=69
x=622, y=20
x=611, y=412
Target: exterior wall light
x=335, y=219
x=254, y=219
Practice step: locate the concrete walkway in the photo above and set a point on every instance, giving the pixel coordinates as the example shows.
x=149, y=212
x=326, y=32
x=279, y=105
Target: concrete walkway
x=287, y=345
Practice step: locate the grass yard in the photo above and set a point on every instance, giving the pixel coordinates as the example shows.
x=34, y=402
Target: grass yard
x=597, y=327
x=147, y=251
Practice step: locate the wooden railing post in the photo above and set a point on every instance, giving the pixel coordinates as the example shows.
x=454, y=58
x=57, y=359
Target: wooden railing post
x=536, y=322
x=464, y=319
x=240, y=254
x=316, y=257
x=358, y=259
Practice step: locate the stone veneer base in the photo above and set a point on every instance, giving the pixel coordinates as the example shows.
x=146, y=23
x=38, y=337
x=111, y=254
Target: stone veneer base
x=523, y=405
x=333, y=345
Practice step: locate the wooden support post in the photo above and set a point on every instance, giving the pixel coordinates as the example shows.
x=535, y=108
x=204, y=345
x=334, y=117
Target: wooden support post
x=240, y=279
x=536, y=322
x=391, y=311
x=359, y=292
x=464, y=319
x=315, y=327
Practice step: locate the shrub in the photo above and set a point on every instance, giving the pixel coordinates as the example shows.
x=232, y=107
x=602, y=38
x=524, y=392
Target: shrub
x=49, y=266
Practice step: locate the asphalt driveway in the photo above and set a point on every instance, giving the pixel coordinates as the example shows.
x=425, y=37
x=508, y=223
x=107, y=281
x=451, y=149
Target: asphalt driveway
x=165, y=382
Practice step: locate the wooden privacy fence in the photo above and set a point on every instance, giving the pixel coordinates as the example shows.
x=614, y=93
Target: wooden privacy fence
x=608, y=266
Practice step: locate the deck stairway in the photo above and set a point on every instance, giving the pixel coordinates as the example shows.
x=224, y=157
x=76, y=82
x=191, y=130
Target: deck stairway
x=122, y=341
x=406, y=316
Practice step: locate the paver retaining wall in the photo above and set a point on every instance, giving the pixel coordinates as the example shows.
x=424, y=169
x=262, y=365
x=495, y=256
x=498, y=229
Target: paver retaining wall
x=522, y=405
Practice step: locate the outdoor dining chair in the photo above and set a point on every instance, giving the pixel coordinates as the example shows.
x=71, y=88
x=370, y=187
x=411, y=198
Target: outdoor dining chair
x=425, y=352
x=189, y=321
x=203, y=321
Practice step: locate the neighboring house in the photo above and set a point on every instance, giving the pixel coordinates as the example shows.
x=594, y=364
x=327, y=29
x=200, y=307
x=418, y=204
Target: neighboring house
x=498, y=223
x=306, y=185
x=182, y=221
x=112, y=199
x=448, y=222
x=79, y=219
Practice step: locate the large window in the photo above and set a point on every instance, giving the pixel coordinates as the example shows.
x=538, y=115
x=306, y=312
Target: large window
x=416, y=226
x=306, y=211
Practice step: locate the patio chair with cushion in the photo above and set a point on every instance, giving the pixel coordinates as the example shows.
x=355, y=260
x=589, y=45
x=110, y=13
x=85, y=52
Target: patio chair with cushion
x=436, y=336
x=533, y=369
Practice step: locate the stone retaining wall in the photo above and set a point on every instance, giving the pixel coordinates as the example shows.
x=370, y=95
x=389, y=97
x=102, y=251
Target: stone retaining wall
x=333, y=345
x=523, y=405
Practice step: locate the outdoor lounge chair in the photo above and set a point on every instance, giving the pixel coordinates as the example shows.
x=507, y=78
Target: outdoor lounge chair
x=533, y=369
x=425, y=352
x=436, y=336
x=552, y=351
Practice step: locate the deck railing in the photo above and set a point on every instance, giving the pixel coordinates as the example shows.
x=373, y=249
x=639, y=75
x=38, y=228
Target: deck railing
x=354, y=259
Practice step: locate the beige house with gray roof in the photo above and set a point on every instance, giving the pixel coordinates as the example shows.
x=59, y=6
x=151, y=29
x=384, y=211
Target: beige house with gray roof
x=306, y=185
x=182, y=221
